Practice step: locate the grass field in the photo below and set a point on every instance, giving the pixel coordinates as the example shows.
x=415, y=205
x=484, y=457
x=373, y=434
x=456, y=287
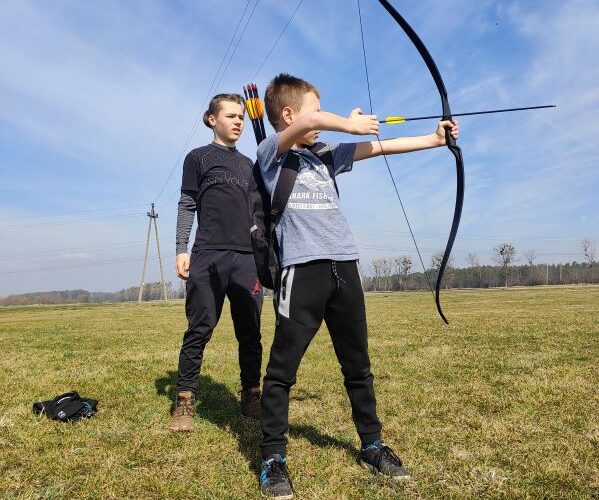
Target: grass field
x=503, y=403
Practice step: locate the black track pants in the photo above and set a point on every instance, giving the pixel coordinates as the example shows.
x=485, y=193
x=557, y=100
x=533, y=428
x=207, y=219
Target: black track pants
x=310, y=293
x=212, y=275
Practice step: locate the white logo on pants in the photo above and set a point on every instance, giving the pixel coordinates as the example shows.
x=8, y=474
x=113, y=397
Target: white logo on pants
x=285, y=290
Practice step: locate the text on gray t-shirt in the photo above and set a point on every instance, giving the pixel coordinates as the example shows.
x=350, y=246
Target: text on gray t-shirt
x=312, y=226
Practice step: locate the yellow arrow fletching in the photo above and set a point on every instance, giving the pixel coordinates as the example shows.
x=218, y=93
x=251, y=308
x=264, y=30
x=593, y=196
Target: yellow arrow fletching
x=391, y=120
x=251, y=107
x=259, y=108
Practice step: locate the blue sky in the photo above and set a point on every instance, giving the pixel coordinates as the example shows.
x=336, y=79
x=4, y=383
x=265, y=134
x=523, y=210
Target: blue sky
x=98, y=99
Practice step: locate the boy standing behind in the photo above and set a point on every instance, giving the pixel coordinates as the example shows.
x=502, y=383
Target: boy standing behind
x=215, y=186
x=319, y=270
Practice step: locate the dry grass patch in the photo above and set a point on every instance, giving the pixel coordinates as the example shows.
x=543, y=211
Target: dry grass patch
x=501, y=404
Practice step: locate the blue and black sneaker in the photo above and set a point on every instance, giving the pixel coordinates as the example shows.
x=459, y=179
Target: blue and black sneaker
x=378, y=458
x=274, y=482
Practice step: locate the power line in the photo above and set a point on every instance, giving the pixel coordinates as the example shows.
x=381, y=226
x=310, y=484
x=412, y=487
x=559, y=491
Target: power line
x=68, y=223
x=238, y=42
x=98, y=263
x=470, y=236
x=270, y=51
x=71, y=212
x=200, y=114
x=433, y=250
x=51, y=253
x=277, y=40
x=125, y=260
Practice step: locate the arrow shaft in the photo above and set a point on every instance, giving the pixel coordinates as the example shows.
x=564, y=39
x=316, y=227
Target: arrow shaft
x=492, y=111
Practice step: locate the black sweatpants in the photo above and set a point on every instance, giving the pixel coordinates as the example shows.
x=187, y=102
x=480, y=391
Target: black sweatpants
x=212, y=275
x=311, y=292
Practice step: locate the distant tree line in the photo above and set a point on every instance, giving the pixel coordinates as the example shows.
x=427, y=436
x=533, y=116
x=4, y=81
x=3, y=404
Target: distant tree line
x=385, y=274
x=508, y=269
x=152, y=291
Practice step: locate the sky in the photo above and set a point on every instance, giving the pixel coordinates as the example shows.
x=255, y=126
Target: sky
x=100, y=102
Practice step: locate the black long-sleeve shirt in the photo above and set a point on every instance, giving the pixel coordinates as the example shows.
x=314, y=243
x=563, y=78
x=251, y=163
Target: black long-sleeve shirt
x=215, y=185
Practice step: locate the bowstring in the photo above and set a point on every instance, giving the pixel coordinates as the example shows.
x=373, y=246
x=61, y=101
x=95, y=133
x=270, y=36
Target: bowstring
x=385, y=157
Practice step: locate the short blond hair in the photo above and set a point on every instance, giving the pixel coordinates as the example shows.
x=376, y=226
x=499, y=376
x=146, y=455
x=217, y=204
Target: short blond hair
x=285, y=90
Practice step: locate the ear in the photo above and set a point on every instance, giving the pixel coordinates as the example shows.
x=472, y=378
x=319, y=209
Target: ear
x=212, y=121
x=288, y=115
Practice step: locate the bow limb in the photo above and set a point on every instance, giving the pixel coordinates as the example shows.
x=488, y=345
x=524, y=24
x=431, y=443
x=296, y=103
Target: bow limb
x=451, y=144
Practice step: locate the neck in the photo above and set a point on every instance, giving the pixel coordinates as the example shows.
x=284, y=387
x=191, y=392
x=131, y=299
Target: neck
x=222, y=142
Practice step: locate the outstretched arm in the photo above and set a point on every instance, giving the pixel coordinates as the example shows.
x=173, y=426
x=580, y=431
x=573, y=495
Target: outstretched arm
x=369, y=149
x=357, y=124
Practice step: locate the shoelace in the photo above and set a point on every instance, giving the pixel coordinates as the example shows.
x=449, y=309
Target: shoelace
x=277, y=469
x=184, y=408
x=388, y=453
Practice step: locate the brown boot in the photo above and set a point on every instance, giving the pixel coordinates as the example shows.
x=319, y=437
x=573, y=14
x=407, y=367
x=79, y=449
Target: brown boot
x=182, y=420
x=250, y=402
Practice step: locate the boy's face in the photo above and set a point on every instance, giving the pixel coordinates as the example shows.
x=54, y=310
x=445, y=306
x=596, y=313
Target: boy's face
x=310, y=103
x=228, y=122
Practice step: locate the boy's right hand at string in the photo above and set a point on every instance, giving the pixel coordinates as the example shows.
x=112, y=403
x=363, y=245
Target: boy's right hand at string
x=362, y=124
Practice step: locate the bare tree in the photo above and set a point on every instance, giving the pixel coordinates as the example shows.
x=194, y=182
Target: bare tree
x=386, y=270
x=182, y=291
x=405, y=265
x=530, y=256
x=436, y=260
x=377, y=268
x=396, y=261
x=473, y=260
x=505, y=255
x=589, y=249
x=474, y=263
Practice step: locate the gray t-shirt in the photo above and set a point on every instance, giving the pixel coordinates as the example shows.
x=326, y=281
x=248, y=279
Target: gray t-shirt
x=312, y=227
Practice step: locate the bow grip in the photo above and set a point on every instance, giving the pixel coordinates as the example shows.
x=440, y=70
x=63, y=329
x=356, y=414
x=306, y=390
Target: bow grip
x=449, y=140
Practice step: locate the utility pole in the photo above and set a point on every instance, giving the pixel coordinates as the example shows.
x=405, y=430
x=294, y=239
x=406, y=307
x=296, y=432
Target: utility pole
x=153, y=215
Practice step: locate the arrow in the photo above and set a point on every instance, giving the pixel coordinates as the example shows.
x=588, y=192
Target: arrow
x=255, y=109
x=250, y=109
x=394, y=120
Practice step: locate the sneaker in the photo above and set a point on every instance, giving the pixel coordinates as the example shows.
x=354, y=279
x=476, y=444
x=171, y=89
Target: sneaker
x=378, y=458
x=250, y=402
x=274, y=482
x=182, y=420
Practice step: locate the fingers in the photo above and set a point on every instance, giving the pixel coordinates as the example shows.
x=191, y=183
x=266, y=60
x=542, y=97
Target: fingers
x=452, y=126
x=364, y=124
x=371, y=125
x=455, y=130
x=182, y=268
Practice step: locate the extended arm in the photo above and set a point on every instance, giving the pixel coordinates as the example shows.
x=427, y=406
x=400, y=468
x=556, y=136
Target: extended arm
x=370, y=149
x=357, y=124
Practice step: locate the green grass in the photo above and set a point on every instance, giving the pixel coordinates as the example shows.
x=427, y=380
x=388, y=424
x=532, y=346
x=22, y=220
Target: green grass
x=503, y=403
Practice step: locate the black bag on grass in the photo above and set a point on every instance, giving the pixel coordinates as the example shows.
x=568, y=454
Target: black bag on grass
x=67, y=407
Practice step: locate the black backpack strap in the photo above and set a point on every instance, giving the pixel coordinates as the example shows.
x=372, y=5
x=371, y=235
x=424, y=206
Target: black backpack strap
x=284, y=187
x=321, y=149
